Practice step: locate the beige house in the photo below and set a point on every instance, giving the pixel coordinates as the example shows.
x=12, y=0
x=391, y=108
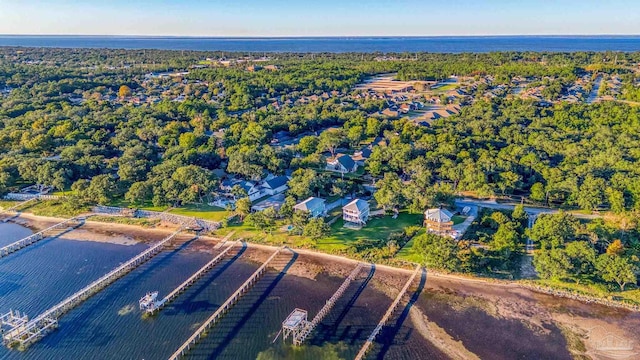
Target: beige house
x=438, y=221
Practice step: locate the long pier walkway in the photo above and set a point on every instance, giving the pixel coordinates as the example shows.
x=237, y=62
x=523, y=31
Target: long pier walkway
x=24, y=332
x=367, y=345
x=14, y=209
x=225, y=307
x=50, y=232
x=150, y=306
x=296, y=324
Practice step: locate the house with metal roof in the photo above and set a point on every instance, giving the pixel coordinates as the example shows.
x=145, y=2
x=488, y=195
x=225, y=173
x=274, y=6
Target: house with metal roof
x=315, y=206
x=438, y=221
x=356, y=212
x=275, y=185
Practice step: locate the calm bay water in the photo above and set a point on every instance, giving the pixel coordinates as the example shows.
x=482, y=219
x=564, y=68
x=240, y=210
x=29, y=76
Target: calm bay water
x=444, y=44
x=109, y=325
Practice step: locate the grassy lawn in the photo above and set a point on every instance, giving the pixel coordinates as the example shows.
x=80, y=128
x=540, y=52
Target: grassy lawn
x=446, y=87
x=457, y=219
x=202, y=211
x=5, y=204
x=55, y=208
x=338, y=239
x=407, y=253
x=376, y=229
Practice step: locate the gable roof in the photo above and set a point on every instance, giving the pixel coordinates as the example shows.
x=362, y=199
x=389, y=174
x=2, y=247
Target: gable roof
x=346, y=161
x=356, y=205
x=365, y=152
x=310, y=204
x=438, y=215
x=247, y=185
x=277, y=182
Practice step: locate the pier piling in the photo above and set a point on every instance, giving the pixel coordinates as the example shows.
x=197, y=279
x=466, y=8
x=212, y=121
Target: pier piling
x=225, y=307
x=367, y=345
x=25, y=333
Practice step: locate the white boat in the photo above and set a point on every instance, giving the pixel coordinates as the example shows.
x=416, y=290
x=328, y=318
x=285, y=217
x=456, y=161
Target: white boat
x=148, y=301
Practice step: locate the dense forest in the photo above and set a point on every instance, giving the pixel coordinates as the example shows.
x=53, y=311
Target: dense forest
x=569, y=154
x=164, y=128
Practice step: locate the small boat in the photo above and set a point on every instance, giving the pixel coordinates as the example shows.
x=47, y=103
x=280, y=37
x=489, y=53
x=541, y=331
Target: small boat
x=148, y=301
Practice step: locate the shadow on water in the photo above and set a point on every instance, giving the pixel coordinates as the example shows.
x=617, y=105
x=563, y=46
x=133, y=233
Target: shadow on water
x=152, y=265
x=197, y=306
x=329, y=331
x=388, y=334
x=30, y=248
x=222, y=335
x=123, y=283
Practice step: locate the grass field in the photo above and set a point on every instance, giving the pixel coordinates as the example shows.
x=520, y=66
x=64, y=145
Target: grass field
x=339, y=237
x=407, y=253
x=457, y=219
x=376, y=229
x=203, y=211
x=445, y=88
x=5, y=204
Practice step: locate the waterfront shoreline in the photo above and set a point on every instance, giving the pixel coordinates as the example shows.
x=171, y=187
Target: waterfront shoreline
x=499, y=299
x=127, y=234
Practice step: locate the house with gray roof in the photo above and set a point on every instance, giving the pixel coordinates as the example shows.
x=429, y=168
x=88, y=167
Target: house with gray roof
x=342, y=164
x=276, y=185
x=315, y=206
x=356, y=212
x=439, y=221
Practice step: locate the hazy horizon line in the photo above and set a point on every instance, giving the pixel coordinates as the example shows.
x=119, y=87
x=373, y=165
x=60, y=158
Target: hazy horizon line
x=323, y=36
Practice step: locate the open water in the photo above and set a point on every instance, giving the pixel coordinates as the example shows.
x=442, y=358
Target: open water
x=110, y=326
x=439, y=44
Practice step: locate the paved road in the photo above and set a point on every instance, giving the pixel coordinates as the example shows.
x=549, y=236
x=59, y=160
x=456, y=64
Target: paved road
x=533, y=212
x=492, y=204
x=463, y=226
x=593, y=96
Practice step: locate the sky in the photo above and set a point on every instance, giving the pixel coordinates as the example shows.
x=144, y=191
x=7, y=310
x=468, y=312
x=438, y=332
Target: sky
x=273, y=18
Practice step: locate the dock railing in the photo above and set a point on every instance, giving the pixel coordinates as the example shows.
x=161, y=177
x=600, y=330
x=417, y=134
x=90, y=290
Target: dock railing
x=226, y=306
x=36, y=328
x=34, y=238
x=309, y=326
x=157, y=306
x=363, y=351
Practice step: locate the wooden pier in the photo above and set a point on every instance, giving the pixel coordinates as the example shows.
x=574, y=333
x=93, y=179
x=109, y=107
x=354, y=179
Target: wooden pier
x=15, y=208
x=363, y=351
x=297, y=326
x=53, y=231
x=24, y=333
x=225, y=307
x=151, y=306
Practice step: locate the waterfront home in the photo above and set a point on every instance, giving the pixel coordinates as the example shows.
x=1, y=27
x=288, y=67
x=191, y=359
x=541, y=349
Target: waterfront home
x=356, y=213
x=438, y=221
x=275, y=201
x=315, y=206
x=342, y=164
x=273, y=185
